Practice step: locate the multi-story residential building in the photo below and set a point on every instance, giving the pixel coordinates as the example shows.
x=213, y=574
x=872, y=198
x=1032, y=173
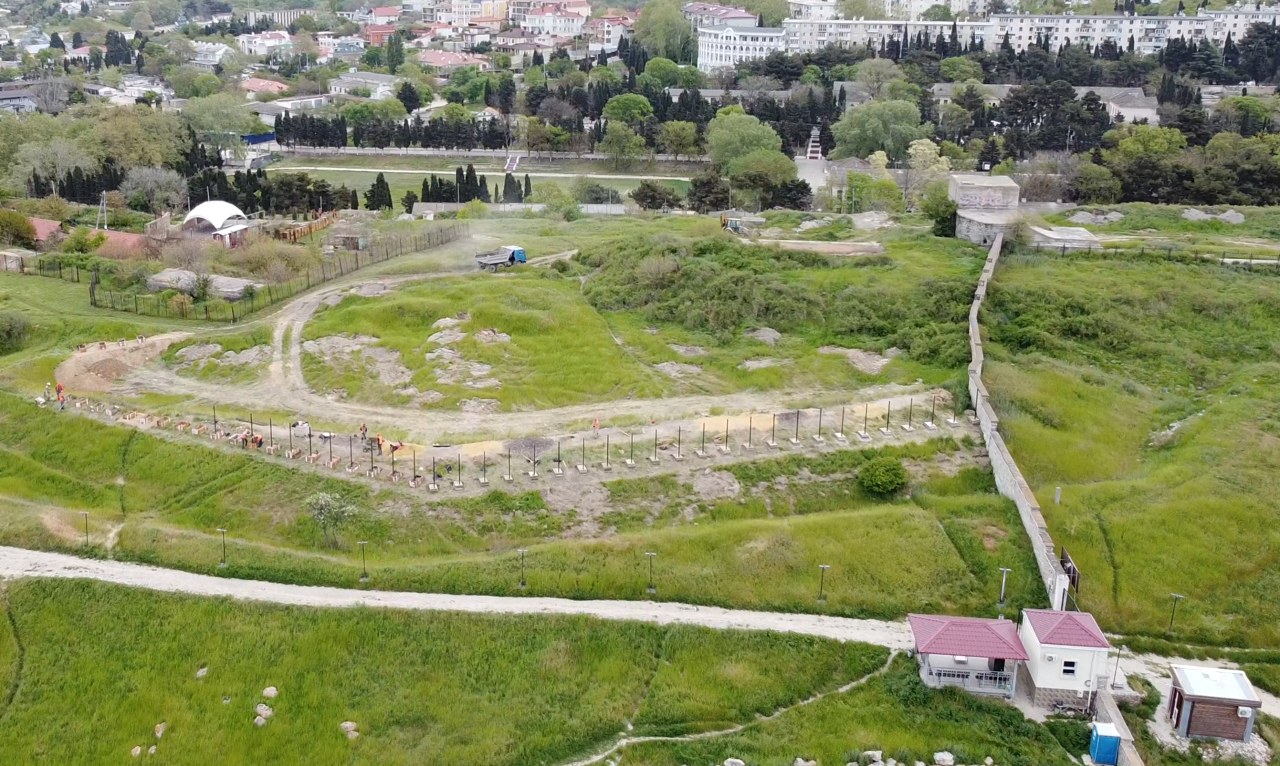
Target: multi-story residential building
x=461, y=12
x=1129, y=104
x=282, y=18
x=1149, y=34
x=379, y=86
x=550, y=20
x=813, y=10
x=803, y=36
x=713, y=15
x=377, y=34
x=725, y=47
x=265, y=43
x=609, y=30
x=208, y=55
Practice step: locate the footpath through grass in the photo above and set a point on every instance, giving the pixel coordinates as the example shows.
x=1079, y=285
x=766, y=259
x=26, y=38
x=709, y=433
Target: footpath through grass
x=422, y=688
x=1147, y=389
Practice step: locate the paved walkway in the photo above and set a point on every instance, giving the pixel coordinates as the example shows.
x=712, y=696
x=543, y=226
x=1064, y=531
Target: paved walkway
x=18, y=562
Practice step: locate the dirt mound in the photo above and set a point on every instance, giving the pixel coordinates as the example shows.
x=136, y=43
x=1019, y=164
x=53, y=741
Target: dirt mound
x=864, y=361
x=678, y=370
x=764, y=335
x=198, y=352
x=109, y=369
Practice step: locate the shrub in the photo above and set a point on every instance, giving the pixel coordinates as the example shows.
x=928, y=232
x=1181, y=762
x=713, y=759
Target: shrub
x=13, y=332
x=1071, y=733
x=475, y=209
x=180, y=304
x=882, y=476
x=15, y=229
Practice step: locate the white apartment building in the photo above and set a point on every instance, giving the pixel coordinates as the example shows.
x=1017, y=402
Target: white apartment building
x=803, y=36
x=1150, y=33
x=208, y=55
x=549, y=20
x=283, y=18
x=461, y=12
x=263, y=44
x=714, y=15
x=724, y=47
x=813, y=10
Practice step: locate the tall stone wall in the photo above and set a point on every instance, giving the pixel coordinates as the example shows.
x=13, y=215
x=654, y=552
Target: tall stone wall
x=1009, y=480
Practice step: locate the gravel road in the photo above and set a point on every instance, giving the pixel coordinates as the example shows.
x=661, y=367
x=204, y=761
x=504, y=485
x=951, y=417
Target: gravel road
x=18, y=562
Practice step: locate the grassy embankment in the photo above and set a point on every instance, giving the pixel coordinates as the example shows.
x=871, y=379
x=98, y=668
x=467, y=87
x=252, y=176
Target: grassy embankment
x=446, y=688
x=1146, y=388
x=573, y=343
x=941, y=550
x=1162, y=227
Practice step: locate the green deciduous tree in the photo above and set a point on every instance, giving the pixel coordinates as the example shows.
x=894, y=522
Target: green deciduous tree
x=678, y=137
x=732, y=134
x=960, y=69
x=631, y=108
x=664, y=31
x=888, y=126
x=1096, y=185
x=330, y=512
x=652, y=195
x=621, y=144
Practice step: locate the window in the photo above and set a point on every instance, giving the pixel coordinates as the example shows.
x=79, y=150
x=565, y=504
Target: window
x=1068, y=667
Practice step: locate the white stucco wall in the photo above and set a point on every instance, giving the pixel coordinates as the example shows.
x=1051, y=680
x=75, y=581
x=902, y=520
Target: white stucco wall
x=1090, y=663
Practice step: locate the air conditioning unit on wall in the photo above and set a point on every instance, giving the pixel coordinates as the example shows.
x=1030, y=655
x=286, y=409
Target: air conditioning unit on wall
x=1244, y=712
x=1050, y=658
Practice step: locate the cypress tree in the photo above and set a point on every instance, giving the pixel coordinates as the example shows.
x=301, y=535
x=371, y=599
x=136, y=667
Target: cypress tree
x=528, y=187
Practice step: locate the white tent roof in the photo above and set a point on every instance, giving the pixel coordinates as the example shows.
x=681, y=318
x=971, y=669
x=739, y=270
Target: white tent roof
x=216, y=212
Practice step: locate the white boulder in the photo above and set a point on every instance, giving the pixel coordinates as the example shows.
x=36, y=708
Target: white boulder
x=944, y=759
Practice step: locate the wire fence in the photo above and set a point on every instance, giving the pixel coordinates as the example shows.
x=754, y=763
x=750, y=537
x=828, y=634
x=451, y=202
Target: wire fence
x=181, y=306
x=43, y=267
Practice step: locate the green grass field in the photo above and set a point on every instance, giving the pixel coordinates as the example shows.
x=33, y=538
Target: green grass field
x=401, y=183
x=1093, y=361
x=423, y=688
x=570, y=345
x=560, y=351
x=493, y=165
x=163, y=500
x=1162, y=227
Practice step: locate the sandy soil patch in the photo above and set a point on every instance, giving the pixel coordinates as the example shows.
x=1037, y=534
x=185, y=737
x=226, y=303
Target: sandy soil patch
x=712, y=485
x=96, y=370
x=687, y=350
x=764, y=335
x=864, y=361
x=60, y=527
x=199, y=355
x=761, y=362
x=678, y=370
x=420, y=398
x=479, y=406
x=338, y=349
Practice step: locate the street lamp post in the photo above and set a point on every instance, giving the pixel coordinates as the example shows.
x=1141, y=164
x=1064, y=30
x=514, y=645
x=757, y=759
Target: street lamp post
x=1176, y=598
x=522, y=552
x=822, y=580
x=650, y=555
x=364, y=564
x=1004, y=578
x=85, y=514
x=222, y=564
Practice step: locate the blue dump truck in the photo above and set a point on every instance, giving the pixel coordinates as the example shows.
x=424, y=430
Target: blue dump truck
x=507, y=255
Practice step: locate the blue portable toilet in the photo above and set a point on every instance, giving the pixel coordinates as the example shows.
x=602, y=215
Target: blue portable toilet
x=1104, y=744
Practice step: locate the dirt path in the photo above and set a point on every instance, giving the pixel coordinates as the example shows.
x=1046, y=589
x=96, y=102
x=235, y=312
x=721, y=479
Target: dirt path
x=285, y=388
x=18, y=562
x=623, y=740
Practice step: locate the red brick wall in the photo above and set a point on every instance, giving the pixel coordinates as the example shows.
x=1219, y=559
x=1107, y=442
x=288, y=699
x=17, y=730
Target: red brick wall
x=1214, y=719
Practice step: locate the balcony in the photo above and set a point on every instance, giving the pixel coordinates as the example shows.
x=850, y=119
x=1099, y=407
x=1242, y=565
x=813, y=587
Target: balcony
x=975, y=681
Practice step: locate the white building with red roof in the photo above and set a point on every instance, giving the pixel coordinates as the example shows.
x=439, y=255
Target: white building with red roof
x=716, y=15
x=258, y=87
x=385, y=14
x=1067, y=657
x=551, y=20
x=977, y=654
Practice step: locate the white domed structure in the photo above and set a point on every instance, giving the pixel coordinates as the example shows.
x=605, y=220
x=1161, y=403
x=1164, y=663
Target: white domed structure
x=216, y=213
